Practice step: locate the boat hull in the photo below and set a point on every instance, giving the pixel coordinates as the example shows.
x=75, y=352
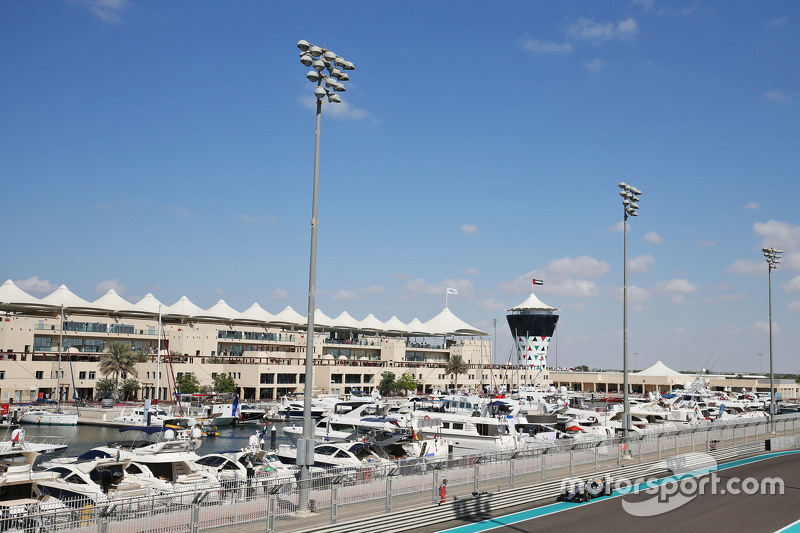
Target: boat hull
x=49, y=419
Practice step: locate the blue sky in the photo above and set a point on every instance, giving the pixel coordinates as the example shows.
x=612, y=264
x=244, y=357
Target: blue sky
x=168, y=147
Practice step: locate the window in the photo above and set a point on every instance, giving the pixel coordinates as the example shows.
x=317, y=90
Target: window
x=336, y=378
x=39, y=374
x=2, y=374
x=213, y=375
x=287, y=378
x=82, y=374
x=92, y=375
x=352, y=378
x=267, y=379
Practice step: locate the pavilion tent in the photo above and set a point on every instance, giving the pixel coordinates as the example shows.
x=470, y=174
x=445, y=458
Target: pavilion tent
x=288, y=317
x=63, y=297
x=114, y=303
x=183, y=308
x=255, y=313
x=220, y=310
x=345, y=321
x=150, y=305
x=659, y=370
x=446, y=323
x=13, y=296
x=394, y=325
x=417, y=329
x=370, y=323
x=321, y=320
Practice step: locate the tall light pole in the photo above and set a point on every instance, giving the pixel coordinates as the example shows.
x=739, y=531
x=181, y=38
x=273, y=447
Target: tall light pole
x=630, y=195
x=773, y=259
x=759, y=355
x=328, y=74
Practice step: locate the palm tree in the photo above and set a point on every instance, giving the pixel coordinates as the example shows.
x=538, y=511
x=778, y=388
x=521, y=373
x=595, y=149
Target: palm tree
x=117, y=359
x=456, y=365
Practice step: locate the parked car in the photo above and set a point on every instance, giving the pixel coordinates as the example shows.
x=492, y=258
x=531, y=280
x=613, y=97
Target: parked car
x=107, y=402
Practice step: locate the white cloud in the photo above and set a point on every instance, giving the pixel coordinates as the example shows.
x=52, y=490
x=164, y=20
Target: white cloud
x=774, y=23
x=677, y=298
x=464, y=287
x=653, y=237
x=340, y=110
x=278, y=294
x=544, y=47
x=180, y=210
x=635, y=294
x=595, y=65
x=373, y=289
x=245, y=218
x=641, y=264
x=583, y=266
x=619, y=226
x=751, y=205
x=794, y=306
x=470, y=271
x=745, y=266
x=35, y=285
x=588, y=30
x=777, y=96
x=469, y=229
x=109, y=11
x=763, y=327
x=490, y=304
x=345, y=295
x=647, y=5
x=793, y=285
x=220, y=292
x=572, y=288
x=673, y=286
x=104, y=286
x=706, y=243
x=779, y=234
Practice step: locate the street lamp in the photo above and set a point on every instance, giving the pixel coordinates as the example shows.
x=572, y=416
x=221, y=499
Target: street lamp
x=759, y=355
x=630, y=195
x=773, y=259
x=328, y=74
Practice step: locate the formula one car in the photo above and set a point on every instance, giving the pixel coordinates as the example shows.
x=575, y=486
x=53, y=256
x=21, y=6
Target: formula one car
x=584, y=491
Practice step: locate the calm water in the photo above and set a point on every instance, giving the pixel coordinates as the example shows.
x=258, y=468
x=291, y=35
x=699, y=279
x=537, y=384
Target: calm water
x=87, y=437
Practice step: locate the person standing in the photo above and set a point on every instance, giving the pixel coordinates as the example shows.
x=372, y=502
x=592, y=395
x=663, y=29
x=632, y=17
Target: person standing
x=443, y=492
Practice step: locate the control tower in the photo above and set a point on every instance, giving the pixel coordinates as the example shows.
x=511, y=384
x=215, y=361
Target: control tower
x=532, y=323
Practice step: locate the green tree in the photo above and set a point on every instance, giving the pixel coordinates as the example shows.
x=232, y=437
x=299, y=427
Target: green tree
x=117, y=359
x=225, y=383
x=129, y=388
x=104, y=387
x=406, y=382
x=387, y=384
x=187, y=383
x=582, y=368
x=456, y=366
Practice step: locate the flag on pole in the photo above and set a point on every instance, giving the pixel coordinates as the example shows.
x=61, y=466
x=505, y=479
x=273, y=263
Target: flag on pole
x=538, y=282
x=451, y=291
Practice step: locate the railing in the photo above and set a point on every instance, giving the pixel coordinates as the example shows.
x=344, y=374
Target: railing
x=372, y=491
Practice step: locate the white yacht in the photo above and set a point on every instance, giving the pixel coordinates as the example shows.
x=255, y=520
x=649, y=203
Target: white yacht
x=138, y=417
x=95, y=480
x=341, y=454
x=349, y=421
x=48, y=417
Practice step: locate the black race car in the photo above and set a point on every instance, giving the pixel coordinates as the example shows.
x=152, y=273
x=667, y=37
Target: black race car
x=584, y=491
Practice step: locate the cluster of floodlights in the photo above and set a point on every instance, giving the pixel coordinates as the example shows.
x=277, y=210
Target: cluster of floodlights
x=630, y=195
x=323, y=61
x=773, y=257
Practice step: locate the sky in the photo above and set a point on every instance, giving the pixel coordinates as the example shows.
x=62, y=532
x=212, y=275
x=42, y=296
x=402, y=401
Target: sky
x=168, y=148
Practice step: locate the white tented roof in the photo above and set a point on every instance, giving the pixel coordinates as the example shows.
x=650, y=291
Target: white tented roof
x=371, y=323
x=532, y=303
x=113, y=302
x=149, y=304
x=660, y=370
x=417, y=329
x=345, y=321
x=321, y=320
x=11, y=294
x=220, y=310
x=446, y=323
x=395, y=325
x=288, y=317
x=62, y=296
x=255, y=313
x=183, y=307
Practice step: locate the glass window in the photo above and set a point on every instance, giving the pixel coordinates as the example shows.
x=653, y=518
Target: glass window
x=91, y=375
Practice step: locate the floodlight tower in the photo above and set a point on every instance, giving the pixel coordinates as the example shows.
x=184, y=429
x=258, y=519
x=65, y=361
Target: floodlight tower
x=773, y=260
x=328, y=74
x=630, y=197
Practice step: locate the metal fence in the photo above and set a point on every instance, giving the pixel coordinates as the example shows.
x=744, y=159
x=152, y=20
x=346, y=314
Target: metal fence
x=265, y=500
